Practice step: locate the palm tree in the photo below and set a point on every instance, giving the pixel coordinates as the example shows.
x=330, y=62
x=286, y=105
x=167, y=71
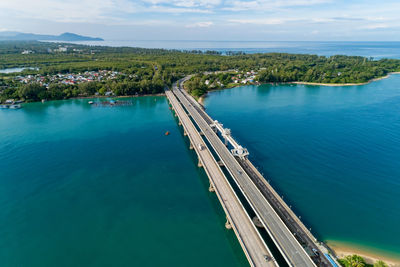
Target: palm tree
x=380, y=264
x=354, y=261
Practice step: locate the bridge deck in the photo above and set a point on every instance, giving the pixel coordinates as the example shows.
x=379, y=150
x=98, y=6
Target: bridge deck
x=295, y=225
x=247, y=234
x=289, y=247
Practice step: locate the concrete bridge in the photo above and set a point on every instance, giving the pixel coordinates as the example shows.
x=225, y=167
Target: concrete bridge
x=290, y=236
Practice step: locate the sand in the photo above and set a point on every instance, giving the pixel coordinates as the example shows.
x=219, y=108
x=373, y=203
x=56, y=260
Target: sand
x=345, y=84
x=342, y=250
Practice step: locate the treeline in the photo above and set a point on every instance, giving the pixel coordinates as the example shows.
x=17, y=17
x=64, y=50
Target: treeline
x=37, y=92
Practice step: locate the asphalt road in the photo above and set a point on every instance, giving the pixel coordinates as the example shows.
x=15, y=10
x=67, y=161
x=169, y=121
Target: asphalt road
x=252, y=243
x=289, y=247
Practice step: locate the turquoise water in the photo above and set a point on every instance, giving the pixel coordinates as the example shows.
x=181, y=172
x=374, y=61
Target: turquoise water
x=332, y=152
x=101, y=186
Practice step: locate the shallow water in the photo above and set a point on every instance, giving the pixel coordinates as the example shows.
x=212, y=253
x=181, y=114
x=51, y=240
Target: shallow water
x=332, y=152
x=103, y=186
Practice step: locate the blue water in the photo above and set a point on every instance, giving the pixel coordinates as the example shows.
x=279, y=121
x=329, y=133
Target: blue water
x=101, y=186
x=332, y=152
x=376, y=50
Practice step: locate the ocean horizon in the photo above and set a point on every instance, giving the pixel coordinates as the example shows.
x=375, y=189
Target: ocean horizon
x=377, y=49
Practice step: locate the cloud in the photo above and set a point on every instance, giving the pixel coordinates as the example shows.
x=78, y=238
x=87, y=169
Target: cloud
x=67, y=10
x=259, y=5
x=258, y=21
x=204, y=24
x=375, y=26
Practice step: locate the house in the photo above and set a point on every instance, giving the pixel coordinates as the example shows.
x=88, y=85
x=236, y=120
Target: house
x=26, y=52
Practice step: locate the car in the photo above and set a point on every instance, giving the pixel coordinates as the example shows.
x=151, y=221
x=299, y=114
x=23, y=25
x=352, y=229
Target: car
x=200, y=146
x=316, y=252
x=267, y=258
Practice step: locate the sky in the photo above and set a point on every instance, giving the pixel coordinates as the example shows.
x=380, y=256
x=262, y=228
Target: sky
x=255, y=20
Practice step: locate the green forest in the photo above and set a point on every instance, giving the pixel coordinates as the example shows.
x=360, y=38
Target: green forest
x=150, y=71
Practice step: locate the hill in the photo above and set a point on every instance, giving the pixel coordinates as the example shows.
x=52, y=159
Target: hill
x=67, y=36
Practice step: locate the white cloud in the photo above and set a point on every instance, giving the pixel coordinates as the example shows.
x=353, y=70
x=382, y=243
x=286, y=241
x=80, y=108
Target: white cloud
x=204, y=24
x=260, y=5
x=375, y=26
x=271, y=21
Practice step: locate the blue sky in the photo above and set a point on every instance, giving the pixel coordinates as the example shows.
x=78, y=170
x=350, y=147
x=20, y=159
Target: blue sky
x=265, y=20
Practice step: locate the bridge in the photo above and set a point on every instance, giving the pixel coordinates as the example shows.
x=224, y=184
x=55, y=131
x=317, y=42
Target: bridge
x=295, y=243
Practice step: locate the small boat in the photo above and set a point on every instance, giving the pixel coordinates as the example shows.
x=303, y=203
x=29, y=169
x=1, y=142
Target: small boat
x=4, y=106
x=90, y=102
x=167, y=133
x=18, y=106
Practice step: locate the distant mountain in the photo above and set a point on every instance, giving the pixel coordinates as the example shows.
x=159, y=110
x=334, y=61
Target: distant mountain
x=67, y=36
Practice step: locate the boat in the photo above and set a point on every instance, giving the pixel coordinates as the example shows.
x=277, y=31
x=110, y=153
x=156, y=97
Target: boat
x=18, y=106
x=4, y=106
x=167, y=133
x=90, y=102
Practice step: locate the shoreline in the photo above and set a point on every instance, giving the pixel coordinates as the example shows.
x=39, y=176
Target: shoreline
x=345, y=84
x=201, y=98
x=343, y=249
x=103, y=96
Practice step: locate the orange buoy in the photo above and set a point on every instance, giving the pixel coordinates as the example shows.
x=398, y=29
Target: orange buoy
x=167, y=133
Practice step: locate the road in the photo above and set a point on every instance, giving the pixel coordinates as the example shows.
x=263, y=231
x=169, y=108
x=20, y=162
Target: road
x=294, y=224
x=287, y=244
x=249, y=238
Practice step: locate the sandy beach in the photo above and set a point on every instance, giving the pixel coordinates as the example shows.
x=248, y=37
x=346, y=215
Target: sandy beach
x=346, y=84
x=343, y=249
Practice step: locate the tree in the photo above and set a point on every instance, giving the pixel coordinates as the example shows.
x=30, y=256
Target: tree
x=88, y=88
x=353, y=261
x=32, y=92
x=380, y=264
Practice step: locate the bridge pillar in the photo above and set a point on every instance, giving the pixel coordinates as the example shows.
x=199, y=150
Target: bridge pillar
x=199, y=164
x=228, y=224
x=191, y=145
x=179, y=123
x=185, y=133
x=211, y=188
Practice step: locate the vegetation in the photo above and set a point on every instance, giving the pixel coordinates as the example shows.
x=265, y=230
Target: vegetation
x=148, y=71
x=353, y=261
x=358, y=261
x=380, y=264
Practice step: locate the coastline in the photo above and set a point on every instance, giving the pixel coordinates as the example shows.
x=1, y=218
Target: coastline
x=201, y=98
x=117, y=96
x=345, y=84
x=343, y=249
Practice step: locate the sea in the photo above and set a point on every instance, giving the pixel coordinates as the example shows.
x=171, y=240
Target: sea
x=94, y=185
x=375, y=50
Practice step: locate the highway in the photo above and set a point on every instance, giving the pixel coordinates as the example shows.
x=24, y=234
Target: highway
x=249, y=238
x=287, y=244
x=294, y=224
